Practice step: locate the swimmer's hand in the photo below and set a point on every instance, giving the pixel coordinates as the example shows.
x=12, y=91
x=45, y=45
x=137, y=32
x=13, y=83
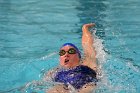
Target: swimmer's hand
x=87, y=26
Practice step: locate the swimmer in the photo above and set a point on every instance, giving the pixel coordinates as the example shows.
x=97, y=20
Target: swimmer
x=74, y=73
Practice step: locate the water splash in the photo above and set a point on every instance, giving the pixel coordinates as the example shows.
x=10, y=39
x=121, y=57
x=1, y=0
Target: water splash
x=101, y=55
x=48, y=56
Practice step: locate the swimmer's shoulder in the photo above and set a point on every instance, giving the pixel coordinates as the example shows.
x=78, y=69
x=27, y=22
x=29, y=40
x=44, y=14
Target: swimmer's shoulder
x=54, y=70
x=49, y=75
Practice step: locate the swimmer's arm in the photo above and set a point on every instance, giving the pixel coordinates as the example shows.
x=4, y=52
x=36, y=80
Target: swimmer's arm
x=87, y=43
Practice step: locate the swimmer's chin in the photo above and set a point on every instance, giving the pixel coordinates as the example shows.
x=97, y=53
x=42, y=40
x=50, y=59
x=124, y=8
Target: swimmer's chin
x=67, y=65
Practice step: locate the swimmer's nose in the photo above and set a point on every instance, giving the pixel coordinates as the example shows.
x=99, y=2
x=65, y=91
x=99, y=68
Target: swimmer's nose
x=67, y=55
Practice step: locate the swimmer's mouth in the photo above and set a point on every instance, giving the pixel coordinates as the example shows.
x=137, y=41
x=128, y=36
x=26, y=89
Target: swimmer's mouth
x=66, y=60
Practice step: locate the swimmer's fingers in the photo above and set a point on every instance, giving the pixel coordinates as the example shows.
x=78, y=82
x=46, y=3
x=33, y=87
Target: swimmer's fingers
x=87, y=26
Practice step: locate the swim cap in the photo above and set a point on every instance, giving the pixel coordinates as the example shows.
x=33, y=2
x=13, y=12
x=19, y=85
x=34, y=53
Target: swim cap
x=70, y=44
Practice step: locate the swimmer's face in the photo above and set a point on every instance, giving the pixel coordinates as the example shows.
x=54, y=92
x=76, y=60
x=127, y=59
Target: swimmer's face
x=69, y=59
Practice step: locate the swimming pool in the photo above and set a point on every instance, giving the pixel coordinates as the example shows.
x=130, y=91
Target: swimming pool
x=32, y=31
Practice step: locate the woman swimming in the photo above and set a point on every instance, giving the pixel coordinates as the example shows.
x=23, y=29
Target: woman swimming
x=79, y=75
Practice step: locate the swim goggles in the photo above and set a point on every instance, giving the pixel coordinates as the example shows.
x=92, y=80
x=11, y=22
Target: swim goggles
x=70, y=51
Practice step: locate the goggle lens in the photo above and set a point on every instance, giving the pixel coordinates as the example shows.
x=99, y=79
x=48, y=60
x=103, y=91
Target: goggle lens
x=70, y=51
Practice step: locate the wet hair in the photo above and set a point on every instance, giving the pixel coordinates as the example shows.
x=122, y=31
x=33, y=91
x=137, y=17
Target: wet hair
x=70, y=44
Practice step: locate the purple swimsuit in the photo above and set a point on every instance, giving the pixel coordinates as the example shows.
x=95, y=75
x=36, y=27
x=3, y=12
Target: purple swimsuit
x=77, y=77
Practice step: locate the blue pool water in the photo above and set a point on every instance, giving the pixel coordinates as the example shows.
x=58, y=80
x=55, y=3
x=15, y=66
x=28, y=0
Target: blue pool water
x=31, y=32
